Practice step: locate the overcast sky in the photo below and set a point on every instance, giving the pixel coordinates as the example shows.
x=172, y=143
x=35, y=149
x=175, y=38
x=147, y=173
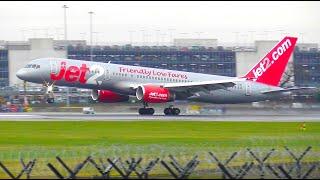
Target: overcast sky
x=157, y=22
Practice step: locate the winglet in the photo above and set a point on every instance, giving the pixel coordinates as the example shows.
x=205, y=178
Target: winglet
x=270, y=69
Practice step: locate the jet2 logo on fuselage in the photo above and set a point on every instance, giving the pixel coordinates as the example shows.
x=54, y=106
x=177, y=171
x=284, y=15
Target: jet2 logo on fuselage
x=72, y=74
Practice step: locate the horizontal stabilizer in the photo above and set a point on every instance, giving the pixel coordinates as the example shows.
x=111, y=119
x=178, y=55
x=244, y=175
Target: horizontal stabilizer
x=293, y=90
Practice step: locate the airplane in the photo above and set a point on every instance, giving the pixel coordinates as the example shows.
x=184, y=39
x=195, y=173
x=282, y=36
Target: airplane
x=115, y=82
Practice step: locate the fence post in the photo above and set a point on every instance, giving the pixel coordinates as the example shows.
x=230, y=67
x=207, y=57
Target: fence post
x=261, y=161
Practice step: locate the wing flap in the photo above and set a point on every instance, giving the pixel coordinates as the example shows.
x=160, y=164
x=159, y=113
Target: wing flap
x=192, y=87
x=203, y=85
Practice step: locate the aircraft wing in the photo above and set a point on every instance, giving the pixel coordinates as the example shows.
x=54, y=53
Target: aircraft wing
x=292, y=90
x=203, y=85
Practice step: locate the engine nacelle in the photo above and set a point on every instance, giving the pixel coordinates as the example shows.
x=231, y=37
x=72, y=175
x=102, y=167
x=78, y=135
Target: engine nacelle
x=154, y=94
x=107, y=96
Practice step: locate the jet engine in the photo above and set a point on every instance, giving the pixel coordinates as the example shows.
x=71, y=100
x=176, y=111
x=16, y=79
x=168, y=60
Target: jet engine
x=154, y=94
x=107, y=96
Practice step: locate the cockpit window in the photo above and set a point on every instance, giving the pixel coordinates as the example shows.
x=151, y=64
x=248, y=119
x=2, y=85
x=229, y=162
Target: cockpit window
x=34, y=66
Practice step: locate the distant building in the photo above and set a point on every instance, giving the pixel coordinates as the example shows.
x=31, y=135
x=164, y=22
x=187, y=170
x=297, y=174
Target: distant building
x=205, y=57
x=246, y=59
x=196, y=42
x=199, y=60
x=307, y=67
x=20, y=53
x=4, y=68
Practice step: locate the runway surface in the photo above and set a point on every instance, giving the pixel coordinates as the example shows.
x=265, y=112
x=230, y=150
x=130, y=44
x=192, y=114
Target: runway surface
x=263, y=116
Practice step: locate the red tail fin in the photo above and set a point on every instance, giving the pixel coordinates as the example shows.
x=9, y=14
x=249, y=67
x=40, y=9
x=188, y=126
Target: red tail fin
x=270, y=69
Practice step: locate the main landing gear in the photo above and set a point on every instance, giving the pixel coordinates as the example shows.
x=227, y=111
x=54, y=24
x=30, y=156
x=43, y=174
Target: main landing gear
x=171, y=111
x=167, y=111
x=145, y=110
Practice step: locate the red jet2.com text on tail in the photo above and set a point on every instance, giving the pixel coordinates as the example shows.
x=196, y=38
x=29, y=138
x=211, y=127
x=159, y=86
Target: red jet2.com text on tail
x=270, y=69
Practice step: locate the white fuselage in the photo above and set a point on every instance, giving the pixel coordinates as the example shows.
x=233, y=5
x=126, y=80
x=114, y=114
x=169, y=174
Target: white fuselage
x=122, y=78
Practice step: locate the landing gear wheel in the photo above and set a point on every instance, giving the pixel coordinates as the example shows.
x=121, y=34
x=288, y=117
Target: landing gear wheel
x=167, y=111
x=176, y=111
x=171, y=111
x=50, y=100
x=146, y=111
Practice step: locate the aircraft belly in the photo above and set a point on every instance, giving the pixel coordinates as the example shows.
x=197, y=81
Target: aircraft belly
x=118, y=87
x=226, y=97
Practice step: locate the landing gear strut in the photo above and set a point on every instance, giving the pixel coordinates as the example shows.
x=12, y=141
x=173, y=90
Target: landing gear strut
x=145, y=110
x=171, y=111
x=50, y=100
x=49, y=93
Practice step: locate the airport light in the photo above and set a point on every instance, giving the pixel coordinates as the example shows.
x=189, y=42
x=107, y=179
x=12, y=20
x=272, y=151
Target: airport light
x=131, y=31
x=184, y=35
x=142, y=33
x=91, y=56
x=301, y=35
x=97, y=36
x=198, y=33
x=23, y=34
x=163, y=37
x=251, y=35
x=83, y=35
x=157, y=36
x=34, y=30
x=237, y=37
x=266, y=34
x=65, y=38
x=46, y=32
x=171, y=34
x=245, y=39
x=57, y=31
x=65, y=21
x=146, y=38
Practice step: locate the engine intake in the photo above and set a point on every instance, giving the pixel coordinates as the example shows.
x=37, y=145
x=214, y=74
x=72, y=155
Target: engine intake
x=107, y=96
x=154, y=94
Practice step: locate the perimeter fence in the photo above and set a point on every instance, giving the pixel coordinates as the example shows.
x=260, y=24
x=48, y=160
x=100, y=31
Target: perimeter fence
x=248, y=163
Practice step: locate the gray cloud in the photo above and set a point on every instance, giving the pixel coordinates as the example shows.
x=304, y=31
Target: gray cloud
x=113, y=21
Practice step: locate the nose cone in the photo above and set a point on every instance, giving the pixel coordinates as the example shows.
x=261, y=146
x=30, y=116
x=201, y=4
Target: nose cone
x=21, y=74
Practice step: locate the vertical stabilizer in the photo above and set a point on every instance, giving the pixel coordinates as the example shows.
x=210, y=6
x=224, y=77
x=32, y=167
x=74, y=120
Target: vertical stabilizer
x=270, y=68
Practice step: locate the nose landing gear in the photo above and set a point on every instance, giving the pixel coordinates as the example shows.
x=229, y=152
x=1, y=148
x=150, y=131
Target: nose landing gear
x=49, y=93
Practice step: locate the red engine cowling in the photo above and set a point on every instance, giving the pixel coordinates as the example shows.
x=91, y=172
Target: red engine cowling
x=107, y=96
x=154, y=94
